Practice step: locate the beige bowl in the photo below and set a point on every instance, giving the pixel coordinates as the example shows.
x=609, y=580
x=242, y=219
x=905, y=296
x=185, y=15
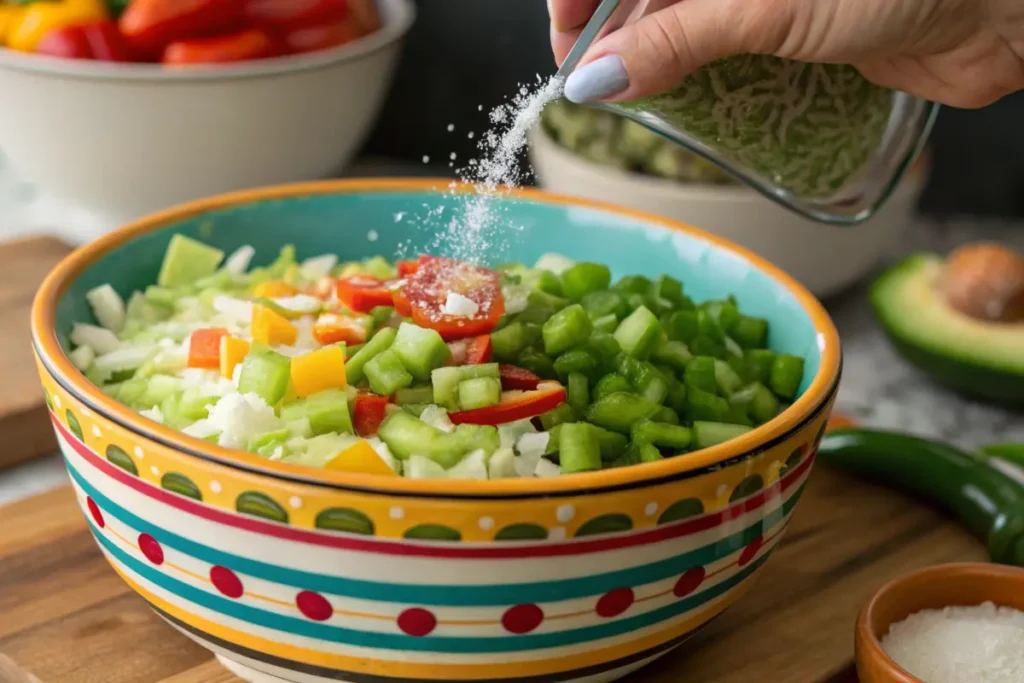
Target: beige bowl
x=123, y=140
x=824, y=258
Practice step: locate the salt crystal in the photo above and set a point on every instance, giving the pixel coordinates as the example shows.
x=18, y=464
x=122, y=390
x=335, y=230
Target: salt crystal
x=451, y=127
x=976, y=644
x=459, y=306
x=479, y=230
x=426, y=159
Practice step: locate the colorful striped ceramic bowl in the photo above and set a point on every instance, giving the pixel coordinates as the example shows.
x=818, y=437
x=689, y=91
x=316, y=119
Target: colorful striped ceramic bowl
x=291, y=574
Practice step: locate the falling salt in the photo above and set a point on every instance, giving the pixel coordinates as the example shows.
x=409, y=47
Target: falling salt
x=470, y=135
x=480, y=231
x=451, y=127
x=372, y=236
x=452, y=156
x=426, y=159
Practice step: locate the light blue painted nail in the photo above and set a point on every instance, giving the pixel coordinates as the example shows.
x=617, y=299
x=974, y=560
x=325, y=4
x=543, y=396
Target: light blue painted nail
x=598, y=80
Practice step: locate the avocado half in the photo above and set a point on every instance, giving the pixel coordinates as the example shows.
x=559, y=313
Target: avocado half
x=976, y=357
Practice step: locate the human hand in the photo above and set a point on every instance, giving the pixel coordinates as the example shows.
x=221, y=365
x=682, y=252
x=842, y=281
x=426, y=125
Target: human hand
x=963, y=53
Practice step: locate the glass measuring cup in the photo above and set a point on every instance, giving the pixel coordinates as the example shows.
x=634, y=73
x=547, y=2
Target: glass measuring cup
x=819, y=139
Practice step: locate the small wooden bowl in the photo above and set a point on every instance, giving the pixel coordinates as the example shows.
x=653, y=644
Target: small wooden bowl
x=936, y=587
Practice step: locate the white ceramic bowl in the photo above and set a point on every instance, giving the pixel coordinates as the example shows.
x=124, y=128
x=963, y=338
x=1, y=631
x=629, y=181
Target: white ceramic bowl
x=824, y=258
x=123, y=140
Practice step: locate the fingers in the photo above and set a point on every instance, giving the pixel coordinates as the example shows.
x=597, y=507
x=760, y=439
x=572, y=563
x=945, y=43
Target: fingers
x=658, y=51
x=568, y=17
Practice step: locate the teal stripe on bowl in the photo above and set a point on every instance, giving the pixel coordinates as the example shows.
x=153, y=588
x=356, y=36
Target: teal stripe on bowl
x=394, y=641
x=439, y=594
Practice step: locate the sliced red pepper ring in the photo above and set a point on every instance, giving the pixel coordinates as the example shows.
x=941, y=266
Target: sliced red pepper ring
x=362, y=293
x=515, y=405
x=370, y=410
x=204, y=348
x=428, y=289
x=516, y=378
x=331, y=328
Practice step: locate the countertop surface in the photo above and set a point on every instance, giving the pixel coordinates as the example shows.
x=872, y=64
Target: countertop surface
x=878, y=388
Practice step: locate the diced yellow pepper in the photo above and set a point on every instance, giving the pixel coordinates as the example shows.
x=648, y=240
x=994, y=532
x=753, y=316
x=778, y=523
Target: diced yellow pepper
x=270, y=327
x=9, y=16
x=319, y=370
x=232, y=352
x=271, y=289
x=361, y=459
x=40, y=18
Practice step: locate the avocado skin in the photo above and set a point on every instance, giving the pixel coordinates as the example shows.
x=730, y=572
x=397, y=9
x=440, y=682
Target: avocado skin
x=969, y=378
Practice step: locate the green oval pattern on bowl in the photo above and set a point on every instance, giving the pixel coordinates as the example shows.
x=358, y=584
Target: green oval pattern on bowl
x=687, y=507
x=259, y=504
x=74, y=425
x=433, y=532
x=748, y=487
x=345, y=519
x=117, y=456
x=180, y=484
x=605, y=524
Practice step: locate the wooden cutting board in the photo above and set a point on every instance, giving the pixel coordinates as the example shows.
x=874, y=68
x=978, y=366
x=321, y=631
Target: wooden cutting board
x=25, y=429
x=66, y=617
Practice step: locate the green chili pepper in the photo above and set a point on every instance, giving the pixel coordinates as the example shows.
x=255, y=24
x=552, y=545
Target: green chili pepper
x=987, y=494
x=1014, y=452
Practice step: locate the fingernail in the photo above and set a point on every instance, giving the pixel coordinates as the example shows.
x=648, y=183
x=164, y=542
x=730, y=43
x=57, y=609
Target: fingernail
x=597, y=80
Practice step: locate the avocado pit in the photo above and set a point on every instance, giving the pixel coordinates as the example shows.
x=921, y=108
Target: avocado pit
x=986, y=282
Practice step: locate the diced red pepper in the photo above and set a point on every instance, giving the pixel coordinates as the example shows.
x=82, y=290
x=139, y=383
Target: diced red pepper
x=516, y=378
x=276, y=13
x=316, y=37
x=331, y=328
x=362, y=293
x=369, y=412
x=204, y=348
x=149, y=26
x=515, y=405
x=471, y=351
x=407, y=267
x=478, y=350
x=234, y=47
x=99, y=40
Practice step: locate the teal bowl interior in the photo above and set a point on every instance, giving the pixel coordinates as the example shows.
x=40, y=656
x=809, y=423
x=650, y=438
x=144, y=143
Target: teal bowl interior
x=360, y=224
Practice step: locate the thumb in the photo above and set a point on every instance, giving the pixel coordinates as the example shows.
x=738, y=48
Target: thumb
x=656, y=52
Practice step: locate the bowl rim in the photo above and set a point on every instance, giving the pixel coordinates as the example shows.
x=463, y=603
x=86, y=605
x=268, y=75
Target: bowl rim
x=542, y=142
x=869, y=644
x=399, y=16
x=804, y=410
